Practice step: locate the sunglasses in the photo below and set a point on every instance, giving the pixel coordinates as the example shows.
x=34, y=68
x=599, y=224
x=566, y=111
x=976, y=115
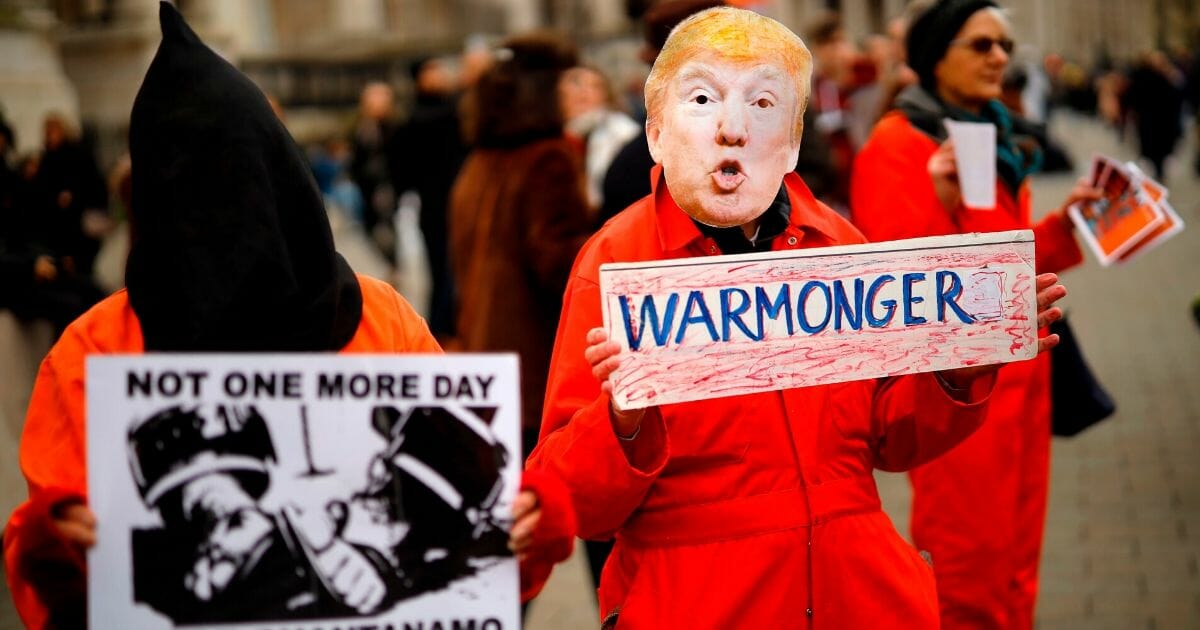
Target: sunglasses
x=983, y=45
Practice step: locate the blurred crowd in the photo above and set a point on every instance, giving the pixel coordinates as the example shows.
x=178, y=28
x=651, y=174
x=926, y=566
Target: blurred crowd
x=54, y=213
x=58, y=207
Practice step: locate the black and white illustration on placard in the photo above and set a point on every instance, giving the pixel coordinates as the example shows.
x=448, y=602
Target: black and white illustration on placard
x=366, y=489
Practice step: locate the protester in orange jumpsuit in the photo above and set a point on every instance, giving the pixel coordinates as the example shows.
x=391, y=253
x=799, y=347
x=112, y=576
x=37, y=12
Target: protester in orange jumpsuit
x=232, y=251
x=755, y=511
x=979, y=510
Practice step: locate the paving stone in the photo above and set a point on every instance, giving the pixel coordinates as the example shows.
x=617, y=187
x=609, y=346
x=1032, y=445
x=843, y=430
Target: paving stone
x=1130, y=487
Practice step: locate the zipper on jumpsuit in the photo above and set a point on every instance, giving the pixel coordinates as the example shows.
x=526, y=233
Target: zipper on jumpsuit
x=791, y=243
x=709, y=247
x=808, y=609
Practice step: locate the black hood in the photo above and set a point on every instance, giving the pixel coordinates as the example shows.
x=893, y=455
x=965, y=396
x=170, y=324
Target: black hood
x=232, y=249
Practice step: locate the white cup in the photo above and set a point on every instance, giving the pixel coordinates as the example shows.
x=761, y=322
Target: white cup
x=975, y=155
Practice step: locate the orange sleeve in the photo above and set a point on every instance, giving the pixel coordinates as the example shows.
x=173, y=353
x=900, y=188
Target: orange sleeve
x=1054, y=244
x=389, y=323
x=415, y=331
x=921, y=421
x=554, y=537
x=608, y=479
x=47, y=577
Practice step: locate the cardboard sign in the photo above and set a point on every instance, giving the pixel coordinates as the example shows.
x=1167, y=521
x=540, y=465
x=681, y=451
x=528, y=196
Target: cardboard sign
x=303, y=491
x=1131, y=218
x=701, y=328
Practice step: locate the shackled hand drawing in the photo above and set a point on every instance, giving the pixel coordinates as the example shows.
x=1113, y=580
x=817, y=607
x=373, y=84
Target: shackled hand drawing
x=303, y=490
x=817, y=316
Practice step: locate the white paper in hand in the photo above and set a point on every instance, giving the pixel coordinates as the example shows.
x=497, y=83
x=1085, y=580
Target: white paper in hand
x=975, y=155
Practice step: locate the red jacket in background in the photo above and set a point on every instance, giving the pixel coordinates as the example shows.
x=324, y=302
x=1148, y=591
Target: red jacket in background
x=756, y=511
x=981, y=509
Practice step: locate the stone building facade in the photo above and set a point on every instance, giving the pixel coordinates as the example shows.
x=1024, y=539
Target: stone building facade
x=85, y=58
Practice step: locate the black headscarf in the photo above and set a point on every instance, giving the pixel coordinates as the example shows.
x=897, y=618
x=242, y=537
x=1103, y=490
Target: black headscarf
x=232, y=249
x=930, y=34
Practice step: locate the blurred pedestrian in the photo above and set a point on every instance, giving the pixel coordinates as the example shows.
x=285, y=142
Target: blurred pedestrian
x=592, y=116
x=331, y=168
x=870, y=102
x=1155, y=98
x=71, y=197
x=980, y=509
x=835, y=80
x=518, y=213
x=427, y=157
x=372, y=139
x=39, y=279
x=628, y=176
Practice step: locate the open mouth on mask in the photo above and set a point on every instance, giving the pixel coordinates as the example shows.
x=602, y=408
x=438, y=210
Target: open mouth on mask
x=728, y=176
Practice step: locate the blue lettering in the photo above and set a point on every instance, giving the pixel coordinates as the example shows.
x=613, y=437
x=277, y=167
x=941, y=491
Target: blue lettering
x=888, y=305
x=772, y=308
x=696, y=298
x=949, y=295
x=802, y=314
x=841, y=304
x=733, y=315
x=910, y=299
x=661, y=333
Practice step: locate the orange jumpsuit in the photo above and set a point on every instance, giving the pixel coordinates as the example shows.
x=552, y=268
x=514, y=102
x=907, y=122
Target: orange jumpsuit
x=53, y=447
x=981, y=509
x=755, y=511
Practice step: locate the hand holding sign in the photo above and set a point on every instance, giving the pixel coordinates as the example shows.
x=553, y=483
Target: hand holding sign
x=1082, y=192
x=1049, y=291
x=604, y=356
x=526, y=514
x=76, y=523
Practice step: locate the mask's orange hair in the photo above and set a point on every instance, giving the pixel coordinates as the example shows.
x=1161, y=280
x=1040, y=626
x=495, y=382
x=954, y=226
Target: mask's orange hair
x=734, y=35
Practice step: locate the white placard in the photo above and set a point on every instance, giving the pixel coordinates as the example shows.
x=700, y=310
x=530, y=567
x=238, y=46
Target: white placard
x=708, y=327
x=303, y=491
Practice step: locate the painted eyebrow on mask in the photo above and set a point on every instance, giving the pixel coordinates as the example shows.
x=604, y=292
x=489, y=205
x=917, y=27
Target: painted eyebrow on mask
x=768, y=72
x=696, y=74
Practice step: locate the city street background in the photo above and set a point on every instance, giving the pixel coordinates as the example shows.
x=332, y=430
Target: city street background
x=1123, y=531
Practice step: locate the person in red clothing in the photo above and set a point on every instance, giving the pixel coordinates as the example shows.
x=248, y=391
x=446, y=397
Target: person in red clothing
x=979, y=510
x=232, y=252
x=754, y=511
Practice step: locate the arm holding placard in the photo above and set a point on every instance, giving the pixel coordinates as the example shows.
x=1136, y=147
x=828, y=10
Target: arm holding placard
x=910, y=432
x=608, y=477
x=46, y=538
x=920, y=417
x=545, y=528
